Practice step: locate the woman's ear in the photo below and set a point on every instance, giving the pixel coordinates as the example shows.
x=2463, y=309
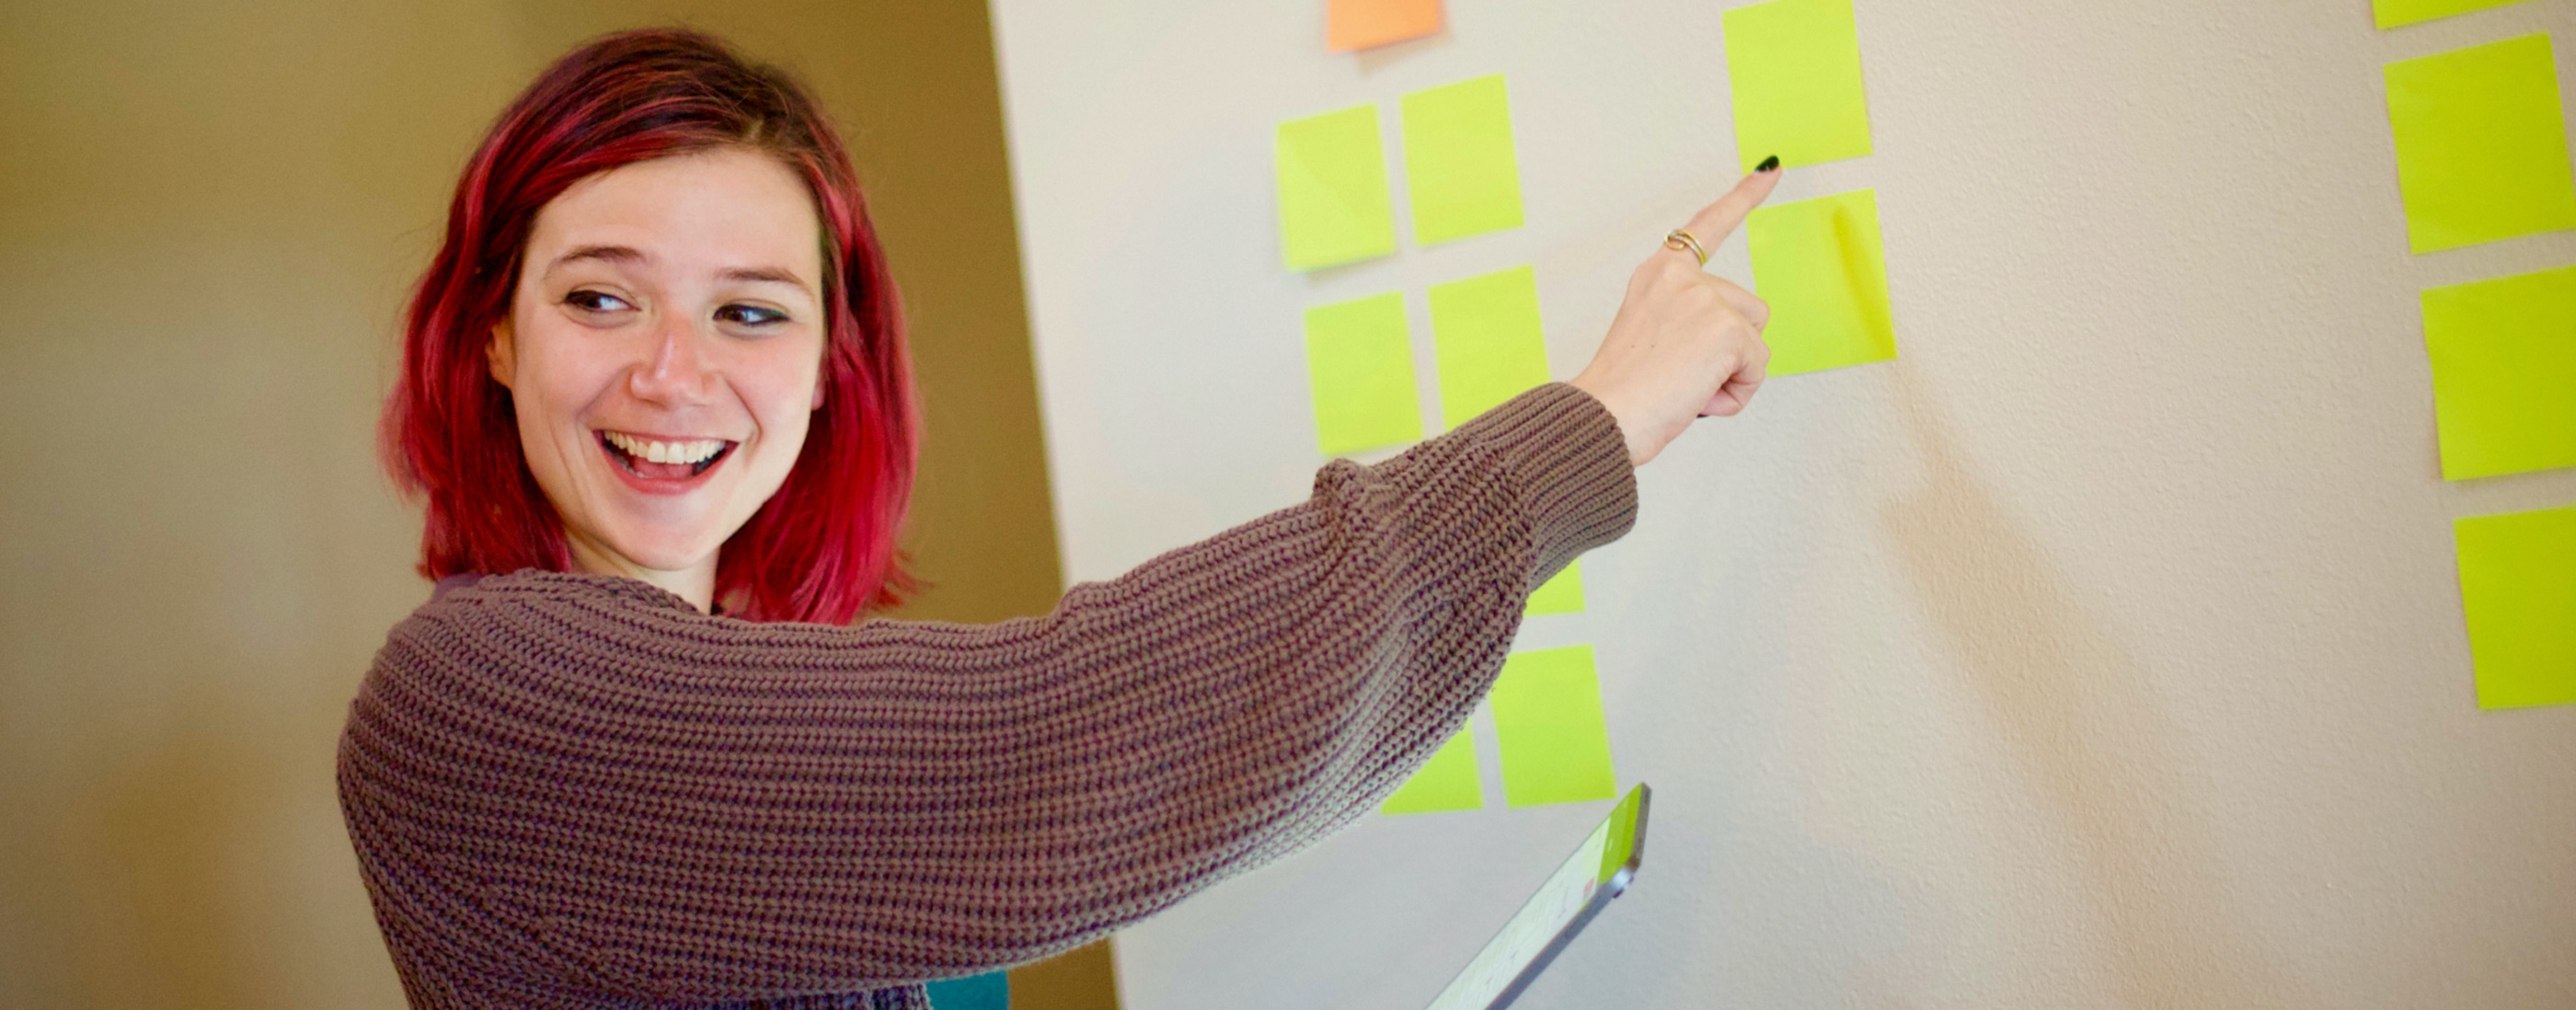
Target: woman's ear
x=502, y=353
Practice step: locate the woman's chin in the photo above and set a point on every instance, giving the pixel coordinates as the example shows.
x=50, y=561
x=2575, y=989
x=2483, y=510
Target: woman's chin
x=657, y=550
x=677, y=559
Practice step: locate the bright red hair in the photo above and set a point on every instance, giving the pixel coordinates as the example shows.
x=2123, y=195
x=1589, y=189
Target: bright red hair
x=823, y=547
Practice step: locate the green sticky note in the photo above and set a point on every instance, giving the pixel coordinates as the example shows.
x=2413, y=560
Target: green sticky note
x=2399, y=13
x=1547, y=718
x=1458, y=165
x=2518, y=587
x=1446, y=782
x=1562, y=593
x=1820, y=266
x=1795, y=69
x=1489, y=347
x=2504, y=373
x=1361, y=361
x=2481, y=145
x=1332, y=189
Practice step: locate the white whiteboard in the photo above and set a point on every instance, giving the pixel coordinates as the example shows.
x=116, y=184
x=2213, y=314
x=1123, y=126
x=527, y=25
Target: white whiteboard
x=2104, y=650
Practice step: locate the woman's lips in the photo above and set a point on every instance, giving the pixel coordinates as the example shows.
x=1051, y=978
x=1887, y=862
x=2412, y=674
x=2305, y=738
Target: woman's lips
x=688, y=462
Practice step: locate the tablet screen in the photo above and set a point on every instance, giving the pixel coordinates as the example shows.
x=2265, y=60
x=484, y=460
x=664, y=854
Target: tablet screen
x=1597, y=872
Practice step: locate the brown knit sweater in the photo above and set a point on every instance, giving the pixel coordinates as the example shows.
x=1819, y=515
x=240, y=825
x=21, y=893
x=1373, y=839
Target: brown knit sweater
x=574, y=790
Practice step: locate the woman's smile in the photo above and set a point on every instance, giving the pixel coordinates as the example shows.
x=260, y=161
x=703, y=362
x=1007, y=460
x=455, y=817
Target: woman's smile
x=663, y=464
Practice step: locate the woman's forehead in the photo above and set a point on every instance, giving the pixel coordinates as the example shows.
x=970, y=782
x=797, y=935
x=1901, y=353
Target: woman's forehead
x=725, y=211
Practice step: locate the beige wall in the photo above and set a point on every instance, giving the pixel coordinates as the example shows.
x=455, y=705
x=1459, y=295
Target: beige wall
x=209, y=214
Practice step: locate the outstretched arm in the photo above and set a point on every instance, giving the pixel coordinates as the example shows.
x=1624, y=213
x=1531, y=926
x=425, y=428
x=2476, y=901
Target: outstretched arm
x=686, y=807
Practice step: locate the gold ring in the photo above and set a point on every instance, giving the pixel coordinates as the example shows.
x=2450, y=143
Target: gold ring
x=1679, y=239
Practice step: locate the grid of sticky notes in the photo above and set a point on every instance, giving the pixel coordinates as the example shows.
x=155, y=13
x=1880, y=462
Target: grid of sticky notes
x=1461, y=174
x=1794, y=66
x=2481, y=144
x=2480, y=136
x=1462, y=179
x=2518, y=589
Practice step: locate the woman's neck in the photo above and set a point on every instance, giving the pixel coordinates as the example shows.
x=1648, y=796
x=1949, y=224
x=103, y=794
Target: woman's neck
x=696, y=583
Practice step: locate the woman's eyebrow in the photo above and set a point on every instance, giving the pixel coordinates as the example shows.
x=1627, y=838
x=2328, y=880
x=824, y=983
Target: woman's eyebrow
x=629, y=254
x=773, y=275
x=611, y=253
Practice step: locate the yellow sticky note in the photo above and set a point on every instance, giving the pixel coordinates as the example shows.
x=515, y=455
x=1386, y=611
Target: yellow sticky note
x=1333, y=205
x=2518, y=587
x=1795, y=69
x=1820, y=266
x=2504, y=373
x=1490, y=349
x=1459, y=169
x=2399, y=13
x=1548, y=721
x=1446, y=782
x=2481, y=144
x=1562, y=593
x=1364, y=24
x=1361, y=362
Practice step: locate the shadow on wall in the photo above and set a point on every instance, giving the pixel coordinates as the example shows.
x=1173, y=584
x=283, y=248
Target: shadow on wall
x=2083, y=728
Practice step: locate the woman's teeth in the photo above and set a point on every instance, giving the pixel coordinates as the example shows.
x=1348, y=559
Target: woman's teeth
x=651, y=451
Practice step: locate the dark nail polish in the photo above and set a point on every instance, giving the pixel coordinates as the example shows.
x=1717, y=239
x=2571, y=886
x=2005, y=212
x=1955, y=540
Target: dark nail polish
x=1768, y=164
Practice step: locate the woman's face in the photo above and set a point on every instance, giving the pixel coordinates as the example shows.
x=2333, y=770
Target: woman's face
x=663, y=351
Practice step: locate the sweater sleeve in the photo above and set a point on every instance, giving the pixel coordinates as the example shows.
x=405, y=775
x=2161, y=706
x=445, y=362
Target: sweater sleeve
x=655, y=804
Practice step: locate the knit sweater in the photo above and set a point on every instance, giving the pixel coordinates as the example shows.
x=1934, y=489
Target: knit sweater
x=577, y=791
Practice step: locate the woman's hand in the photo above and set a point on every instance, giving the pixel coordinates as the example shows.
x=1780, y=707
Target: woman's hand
x=1685, y=344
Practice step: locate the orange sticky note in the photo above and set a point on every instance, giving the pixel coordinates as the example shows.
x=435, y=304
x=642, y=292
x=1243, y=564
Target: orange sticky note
x=1366, y=24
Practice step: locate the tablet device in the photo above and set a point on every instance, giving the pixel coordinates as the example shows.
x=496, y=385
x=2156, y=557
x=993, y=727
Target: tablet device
x=1598, y=871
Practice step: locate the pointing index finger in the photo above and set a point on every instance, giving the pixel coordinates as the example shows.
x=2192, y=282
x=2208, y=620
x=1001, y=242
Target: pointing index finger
x=1718, y=220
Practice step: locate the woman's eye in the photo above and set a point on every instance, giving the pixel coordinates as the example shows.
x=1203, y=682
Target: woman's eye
x=749, y=315
x=595, y=301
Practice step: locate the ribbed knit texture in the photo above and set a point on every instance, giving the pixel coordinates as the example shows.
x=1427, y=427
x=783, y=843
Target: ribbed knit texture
x=572, y=790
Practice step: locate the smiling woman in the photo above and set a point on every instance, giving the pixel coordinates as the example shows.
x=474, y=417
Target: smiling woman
x=630, y=753
x=656, y=242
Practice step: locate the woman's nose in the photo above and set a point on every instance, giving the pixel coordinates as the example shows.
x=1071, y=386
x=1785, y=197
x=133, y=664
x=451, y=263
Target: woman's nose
x=677, y=372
